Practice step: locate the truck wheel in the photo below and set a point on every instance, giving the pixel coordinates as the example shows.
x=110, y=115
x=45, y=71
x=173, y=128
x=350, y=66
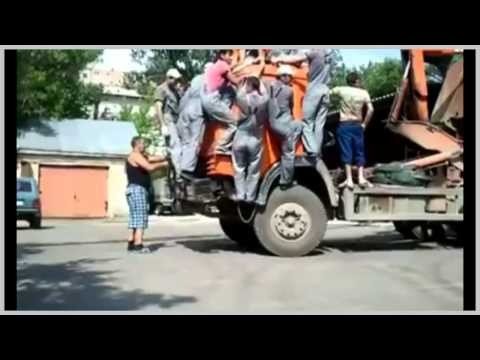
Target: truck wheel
x=452, y=234
x=405, y=228
x=239, y=232
x=423, y=231
x=293, y=223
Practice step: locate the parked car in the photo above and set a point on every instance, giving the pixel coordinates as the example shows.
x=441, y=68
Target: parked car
x=28, y=202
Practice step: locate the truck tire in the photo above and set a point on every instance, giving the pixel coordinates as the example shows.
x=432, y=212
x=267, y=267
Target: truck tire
x=430, y=232
x=231, y=224
x=239, y=232
x=405, y=228
x=293, y=223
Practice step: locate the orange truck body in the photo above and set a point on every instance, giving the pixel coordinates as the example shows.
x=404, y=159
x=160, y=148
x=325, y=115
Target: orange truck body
x=221, y=165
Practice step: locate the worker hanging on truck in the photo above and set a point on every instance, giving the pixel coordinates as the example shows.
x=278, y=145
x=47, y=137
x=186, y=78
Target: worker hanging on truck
x=166, y=111
x=282, y=122
x=191, y=124
x=353, y=100
x=247, y=147
x=219, y=95
x=316, y=100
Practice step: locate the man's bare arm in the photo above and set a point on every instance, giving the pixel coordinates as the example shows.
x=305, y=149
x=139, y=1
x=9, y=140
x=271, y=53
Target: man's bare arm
x=369, y=115
x=232, y=78
x=289, y=59
x=141, y=161
x=156, y=158
x=247, y=63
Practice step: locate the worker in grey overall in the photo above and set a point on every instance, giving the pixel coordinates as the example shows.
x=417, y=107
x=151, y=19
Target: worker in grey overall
x=282, y=122
x=316, y=100
x=247, y=146
x=166, y=110
x=191, y=124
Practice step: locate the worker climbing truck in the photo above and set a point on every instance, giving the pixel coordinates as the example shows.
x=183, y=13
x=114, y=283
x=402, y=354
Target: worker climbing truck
x=414, y=150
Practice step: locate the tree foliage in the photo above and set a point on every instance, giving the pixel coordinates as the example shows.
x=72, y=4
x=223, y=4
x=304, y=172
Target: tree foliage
x=379, y=78
x=145, y=124
x=157, y=62
x=49, y=84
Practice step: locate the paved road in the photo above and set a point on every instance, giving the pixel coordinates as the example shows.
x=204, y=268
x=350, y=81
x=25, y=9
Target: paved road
x=83, y=265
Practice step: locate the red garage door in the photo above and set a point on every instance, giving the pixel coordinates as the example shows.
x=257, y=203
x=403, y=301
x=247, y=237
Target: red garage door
x=73, y=192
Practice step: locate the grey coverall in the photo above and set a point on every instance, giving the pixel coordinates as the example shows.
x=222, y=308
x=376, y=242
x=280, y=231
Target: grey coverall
x=316, y=100
x=247, y=144
x=282, y=123
x=191, y=125
x=217, y=105
x=170, y=102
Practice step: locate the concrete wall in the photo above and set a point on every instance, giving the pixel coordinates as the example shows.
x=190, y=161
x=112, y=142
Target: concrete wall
x=28, y=165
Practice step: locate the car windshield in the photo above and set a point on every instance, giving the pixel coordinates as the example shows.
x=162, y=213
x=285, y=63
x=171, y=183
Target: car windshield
x=24, y=186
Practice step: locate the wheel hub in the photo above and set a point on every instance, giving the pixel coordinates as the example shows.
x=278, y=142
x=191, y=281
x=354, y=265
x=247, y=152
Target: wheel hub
x=291, y=221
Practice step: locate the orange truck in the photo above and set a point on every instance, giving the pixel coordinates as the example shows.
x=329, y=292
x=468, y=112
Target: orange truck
x=293, y=222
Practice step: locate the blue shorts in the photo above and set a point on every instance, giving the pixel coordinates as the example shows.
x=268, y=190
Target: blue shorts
x=351, y=143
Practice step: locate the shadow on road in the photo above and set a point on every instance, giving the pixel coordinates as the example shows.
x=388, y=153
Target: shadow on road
x=74, y=285
x=27, y=227
x=124, y=241
x=213, y=246
x=24, y=251
x=382, y=241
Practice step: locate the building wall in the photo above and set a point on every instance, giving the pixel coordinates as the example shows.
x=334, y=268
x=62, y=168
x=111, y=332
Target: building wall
x=116, y=183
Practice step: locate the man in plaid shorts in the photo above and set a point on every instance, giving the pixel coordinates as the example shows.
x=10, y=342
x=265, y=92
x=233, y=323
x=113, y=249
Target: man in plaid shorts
x=138, y=166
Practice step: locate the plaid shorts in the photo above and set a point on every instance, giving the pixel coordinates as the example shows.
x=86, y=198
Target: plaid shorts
x=137, y=198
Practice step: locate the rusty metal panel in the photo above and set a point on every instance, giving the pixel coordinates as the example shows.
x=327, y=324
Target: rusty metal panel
x=427, y=136
x=450, y=99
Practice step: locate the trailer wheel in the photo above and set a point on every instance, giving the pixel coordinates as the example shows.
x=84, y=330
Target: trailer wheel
x=293, y=223
x=442, y=233
x=405, y=228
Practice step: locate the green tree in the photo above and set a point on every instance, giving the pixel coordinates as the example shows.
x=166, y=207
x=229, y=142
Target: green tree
x=144, y=123
x=378, y=78
x=157, y=62
x=382, y=78
x=49, y=84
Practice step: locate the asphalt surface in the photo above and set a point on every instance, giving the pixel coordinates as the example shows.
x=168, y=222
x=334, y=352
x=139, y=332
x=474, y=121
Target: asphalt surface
x=194, y=268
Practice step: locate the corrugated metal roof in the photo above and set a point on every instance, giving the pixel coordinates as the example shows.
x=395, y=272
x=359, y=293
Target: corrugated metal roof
x=90, y=137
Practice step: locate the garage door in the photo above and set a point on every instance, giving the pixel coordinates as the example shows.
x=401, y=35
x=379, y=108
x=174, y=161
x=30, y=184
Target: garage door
x=73, y=192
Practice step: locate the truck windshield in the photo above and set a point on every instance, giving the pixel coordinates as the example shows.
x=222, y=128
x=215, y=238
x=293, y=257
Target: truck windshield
x=24, y=186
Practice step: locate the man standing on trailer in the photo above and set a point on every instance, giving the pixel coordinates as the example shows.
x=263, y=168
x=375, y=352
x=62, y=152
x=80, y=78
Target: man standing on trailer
x=353, y=100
